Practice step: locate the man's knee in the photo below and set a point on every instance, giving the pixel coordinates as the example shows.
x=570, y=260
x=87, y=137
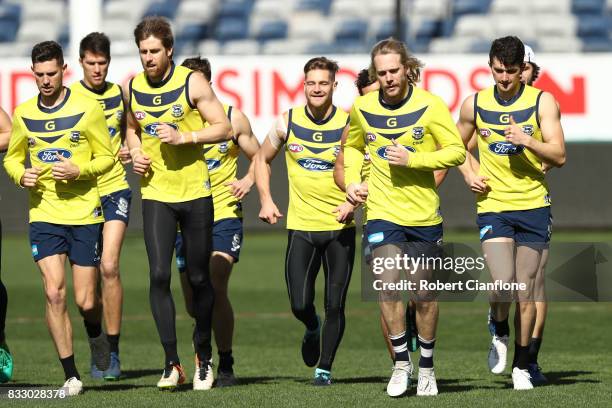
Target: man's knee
x=56, y=296
x=109, y=268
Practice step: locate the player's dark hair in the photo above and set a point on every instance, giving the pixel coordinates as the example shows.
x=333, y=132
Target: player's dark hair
x=508, y=50
x=96, y=43
x=155, y=26
x=393, y=46
x=322, y=63
x=199, y=64
x=363, y=79
x=47, y=51
x=536, y=71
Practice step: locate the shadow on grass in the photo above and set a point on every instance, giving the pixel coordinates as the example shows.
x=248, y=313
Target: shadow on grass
x=132, y=374
x=262, y=380
x=566, y=377
x=27, y=385
x=114, y=386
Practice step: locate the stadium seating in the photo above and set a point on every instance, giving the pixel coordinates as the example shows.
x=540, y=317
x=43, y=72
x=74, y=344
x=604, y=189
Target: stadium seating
x=333, y=26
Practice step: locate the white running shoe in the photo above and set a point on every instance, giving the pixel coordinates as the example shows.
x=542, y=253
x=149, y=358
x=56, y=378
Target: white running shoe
x=521, y=379
x=73, y=386
x=427, y=382
x=203, y=376
x=400, y=378
x=497, y=354
x=172, y=377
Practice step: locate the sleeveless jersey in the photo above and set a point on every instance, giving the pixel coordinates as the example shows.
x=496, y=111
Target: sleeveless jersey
x=111, y=100
x=75, y=129
x=310, y=152
x=515, y=174
x=406, y=196
x=177, y=173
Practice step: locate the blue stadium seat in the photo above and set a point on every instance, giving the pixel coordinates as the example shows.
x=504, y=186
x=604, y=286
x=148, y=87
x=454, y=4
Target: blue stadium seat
x=427, y=29
x=353, y=30
x=385, y=29
x=581, y=7
x=316, y=5
x=163, y=8
x=64, y=36
x=593, y=26
x=10, y=15
x=235, y=9
x=272, y=30
x=461, y=7
x=192, y=32
x=231, y=29
x=597, y=44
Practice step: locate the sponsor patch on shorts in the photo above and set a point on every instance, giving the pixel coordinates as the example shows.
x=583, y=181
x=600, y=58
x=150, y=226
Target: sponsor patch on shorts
x=485, y=229
x=35, y=250
x=376, y=237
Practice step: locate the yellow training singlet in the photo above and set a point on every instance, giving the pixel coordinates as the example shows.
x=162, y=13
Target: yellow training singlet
x=310, y=151
x=515, y=174
x=222, y=162
x=406, y=196
x=177, y=173
x=111, y=100
x=75, y=129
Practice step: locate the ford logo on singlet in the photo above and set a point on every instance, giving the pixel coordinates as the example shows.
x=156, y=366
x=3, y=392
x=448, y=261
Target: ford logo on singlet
x=505, y=148
x=315, y=164
x=213, y=164
x=151, y=128
x=112, y=131
x=50, y=155
x=382, y=151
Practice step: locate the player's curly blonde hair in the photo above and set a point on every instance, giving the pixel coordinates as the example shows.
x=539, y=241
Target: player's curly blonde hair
x=393, y=46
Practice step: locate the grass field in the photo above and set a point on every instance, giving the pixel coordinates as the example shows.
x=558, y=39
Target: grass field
x=576, y=355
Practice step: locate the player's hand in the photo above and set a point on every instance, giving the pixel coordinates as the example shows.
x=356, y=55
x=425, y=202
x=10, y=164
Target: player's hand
x=515, y=135
x=478, y=184
x=397, y=154
x=240, y=188
x=30, y=176
x=546, y=167
x=168, y=134
x=356, y=194
x=344, y=212
x=269, y=213
x=64, y=169
x=141, y=164
x=124, y=155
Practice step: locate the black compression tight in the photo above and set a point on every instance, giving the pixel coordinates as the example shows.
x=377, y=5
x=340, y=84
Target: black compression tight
x=195, y=219
x=306, y=251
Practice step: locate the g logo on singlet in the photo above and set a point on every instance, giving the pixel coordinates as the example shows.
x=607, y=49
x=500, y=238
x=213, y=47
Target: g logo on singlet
x=157, y=100
x=50, y=125
x=504, y=118
x=392, y=122
x=317, y=136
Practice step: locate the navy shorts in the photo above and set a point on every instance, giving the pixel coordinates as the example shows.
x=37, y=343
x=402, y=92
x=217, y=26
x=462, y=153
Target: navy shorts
x=380, y=232
x=227, y=238
x=524, y=226
x=116, y=205
x=80, y=242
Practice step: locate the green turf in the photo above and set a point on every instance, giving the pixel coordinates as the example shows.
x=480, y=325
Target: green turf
x=268, y=362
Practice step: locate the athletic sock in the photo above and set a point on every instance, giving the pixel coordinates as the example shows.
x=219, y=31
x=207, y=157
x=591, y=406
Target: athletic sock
x=534, y=349
x=171, y=353
x=427, y=348
x=69, y=367
x=400, y=346
x=226, y=362
x=515, y=358
x=522, y=356
x=501, y=328
x=93, y=329
x=113, y=341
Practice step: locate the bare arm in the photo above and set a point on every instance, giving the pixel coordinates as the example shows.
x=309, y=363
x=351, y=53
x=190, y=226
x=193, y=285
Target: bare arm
x=467, y=129
x=248, y=143
x=5, y=130
x=551, y=149
x=141, y=162
x=211, y=110
x=267, y=152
